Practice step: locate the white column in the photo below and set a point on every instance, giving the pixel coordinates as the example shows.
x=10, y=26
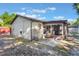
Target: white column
x=51, y=29
x=66, y=30
x=62, y=29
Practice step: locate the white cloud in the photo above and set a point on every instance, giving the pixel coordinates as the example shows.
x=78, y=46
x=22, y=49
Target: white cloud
x=36, y=16
x=51, y=8
x=28, y=11
x=24, y=14
x=31, y=15
x=39, y=11
x=42, y=18
x=70, y=20
x=21, y=13
x=43, y=10
x=23, y=8
x=59, y=17
x=63, y=18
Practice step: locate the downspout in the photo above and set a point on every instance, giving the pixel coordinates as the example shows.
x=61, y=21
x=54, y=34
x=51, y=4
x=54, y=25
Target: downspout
x=10, y=31
x=31, y=30
x=67, y=30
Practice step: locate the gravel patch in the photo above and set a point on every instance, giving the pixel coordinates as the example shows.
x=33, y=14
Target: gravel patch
x=24, y=51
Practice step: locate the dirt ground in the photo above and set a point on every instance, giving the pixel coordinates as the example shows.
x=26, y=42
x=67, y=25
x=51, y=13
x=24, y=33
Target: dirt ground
x=9, y=47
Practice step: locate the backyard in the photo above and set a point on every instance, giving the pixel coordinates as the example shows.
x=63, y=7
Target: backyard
x=48, y=47
x=25, y=28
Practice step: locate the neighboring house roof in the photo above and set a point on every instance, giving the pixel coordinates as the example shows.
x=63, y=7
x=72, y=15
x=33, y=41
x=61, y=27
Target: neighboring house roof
x=56, y=21
x=33, y=19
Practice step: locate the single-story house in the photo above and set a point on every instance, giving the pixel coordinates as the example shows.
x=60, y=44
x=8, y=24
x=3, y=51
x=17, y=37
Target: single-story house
x=31, y=28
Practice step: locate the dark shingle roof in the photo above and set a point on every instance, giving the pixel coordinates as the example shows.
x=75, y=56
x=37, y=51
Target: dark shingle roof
x=33, y=19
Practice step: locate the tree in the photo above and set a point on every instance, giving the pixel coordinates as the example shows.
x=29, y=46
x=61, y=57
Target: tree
x=76, y=6
x=7, y=18
x=76, y=22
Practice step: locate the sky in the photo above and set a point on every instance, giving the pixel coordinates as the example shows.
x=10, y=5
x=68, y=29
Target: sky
x=42, y=11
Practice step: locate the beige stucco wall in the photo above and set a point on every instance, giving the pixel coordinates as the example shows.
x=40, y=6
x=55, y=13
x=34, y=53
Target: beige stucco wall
x=38, y=30
x=24, y=25
x=28, y=27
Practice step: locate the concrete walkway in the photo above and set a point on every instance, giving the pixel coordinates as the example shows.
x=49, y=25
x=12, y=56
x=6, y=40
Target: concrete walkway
x=50, y=42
